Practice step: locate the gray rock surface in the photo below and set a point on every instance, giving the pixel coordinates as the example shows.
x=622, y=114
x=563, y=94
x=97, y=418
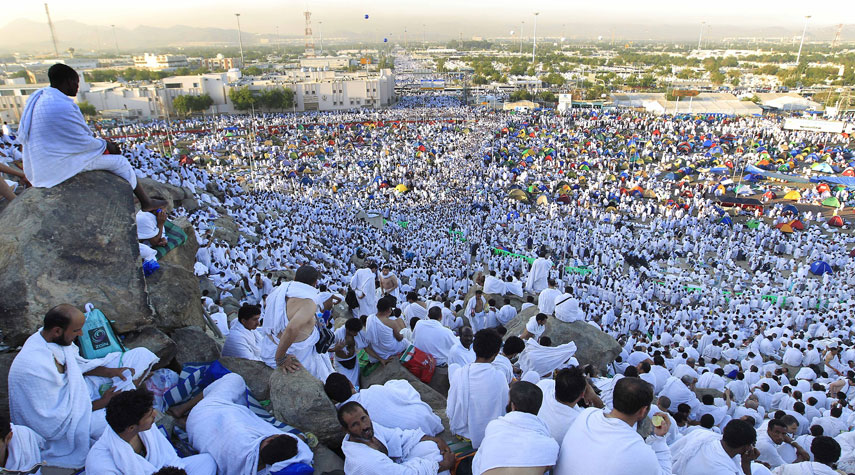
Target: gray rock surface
x=173, y=195
x=73, y=243
x=255, y=373
x=154, y=340
x=175, y=296
x=298, y=399
x=326, y=461
x=194, y=346
x=226, y=230
x=184, y=255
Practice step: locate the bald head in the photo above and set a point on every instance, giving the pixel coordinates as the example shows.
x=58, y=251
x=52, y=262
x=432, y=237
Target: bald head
x=62, y=324
x=61, y=316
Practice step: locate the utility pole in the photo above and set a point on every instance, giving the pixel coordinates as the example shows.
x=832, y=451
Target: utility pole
x=700, y=36
x=52, y=31
x=321, y=36
x=522, y=25
x=802, y=42
x=534, y=38
x=115, y=39
x=240, y=41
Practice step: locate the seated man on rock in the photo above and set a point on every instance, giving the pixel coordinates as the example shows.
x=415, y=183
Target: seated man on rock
x=373, y=449
x=132, y=444
x=243, y=340
x=20, y=447
x=57, y=393
x=240, y=442
x=7, y=188
x=394, y=404
x=150, y=227
x=58, y=144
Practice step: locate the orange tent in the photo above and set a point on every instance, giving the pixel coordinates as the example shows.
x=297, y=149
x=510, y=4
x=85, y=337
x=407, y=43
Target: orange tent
x=796, y=224
x=849, y=172
x=836, y=221
x=822, y=188
x=785, y=228
x=770, y=195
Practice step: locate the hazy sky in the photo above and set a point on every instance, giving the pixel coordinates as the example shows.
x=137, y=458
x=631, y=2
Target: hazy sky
x=472, y=17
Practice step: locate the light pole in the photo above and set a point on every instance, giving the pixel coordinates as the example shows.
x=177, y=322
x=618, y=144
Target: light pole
x=522, y=25
x=115, y=39
x=534, y=38
x=802, y=42
x=240, y=41
x=701, y=35
x=321, y=36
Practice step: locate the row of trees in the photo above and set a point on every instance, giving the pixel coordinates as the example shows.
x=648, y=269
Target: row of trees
x=187, y=104
x=277, y=98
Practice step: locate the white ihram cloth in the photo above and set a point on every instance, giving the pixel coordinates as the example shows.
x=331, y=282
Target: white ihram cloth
x=276, y=316
x=538, y=276
x=534, y=328
x=431, y=337
x=700, y=453
x=57, y=142
x=414, y=309
x=407, y=455
x=25, y=449
x=608, y=446
x=460, y=356
x=492, y=285
x=557, y=416
x=678, y=393
x=362, y=283
x=805, y=468
x=319, y=365
x=478, y=393
x=224, y=407
x=568, y=311
x=242, y=343
x=58, y=407
x=111, y=455
x=545, y=359
x=381, y=338
x=517, y=439
x=476, y=319
x=397, y=404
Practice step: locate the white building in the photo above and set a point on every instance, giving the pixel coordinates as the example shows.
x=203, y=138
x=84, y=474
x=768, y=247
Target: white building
x=327, y=62
x=161, y=62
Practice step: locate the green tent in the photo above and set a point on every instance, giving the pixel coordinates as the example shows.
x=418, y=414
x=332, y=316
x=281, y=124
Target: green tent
x=753, y=224
x=831, y=201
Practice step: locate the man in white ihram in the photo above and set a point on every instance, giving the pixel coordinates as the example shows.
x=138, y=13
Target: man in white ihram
x=704, y=452
x=539, y=274
x=519, y=439
x=55, y=392
x=297, y=343
x=363, y=283
x=607, y=444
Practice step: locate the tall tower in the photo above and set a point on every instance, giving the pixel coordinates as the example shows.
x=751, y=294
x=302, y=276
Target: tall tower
x=310, y=41
x=836, y=42
x=52, y=31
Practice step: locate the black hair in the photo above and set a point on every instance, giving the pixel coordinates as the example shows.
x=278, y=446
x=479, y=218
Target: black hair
x=513, y=345
x=353, y=324
x=127, y=408
x=282, y=447
x=707, y=421
x=570, y=383
x=817, y=430
x=738, y=433
x=487, y=343
x=348, y=408
x=825, y=450
x=59, y=73
x=170, y=471
x=435, y=313
x=57, y=317
x=337, y=387
x=307, y=275
x=632, y=394
x=5, y=425
x=526, y=397
x=248, y=311
x=384, y=305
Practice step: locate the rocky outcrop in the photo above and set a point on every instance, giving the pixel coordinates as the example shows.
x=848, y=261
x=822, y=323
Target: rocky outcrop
x=298, y=399
x=175, y=296
x=326, y=461
x=154, y=340
x=226, y=229
x=194, y=346
x=5, y=363
x=593, y=346
x=184, y=255
x=256, y=374
x=73, y=243
x=175, y=196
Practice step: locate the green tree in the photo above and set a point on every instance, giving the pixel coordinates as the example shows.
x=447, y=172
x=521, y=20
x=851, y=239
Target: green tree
x=87, y=109
x=520, y=95
x=548, y=96
x=553, y=79
x=717, y=77
x=252, y=71
x=478, y=79
x=276, y=98
x=242, y=98
x=186, y=104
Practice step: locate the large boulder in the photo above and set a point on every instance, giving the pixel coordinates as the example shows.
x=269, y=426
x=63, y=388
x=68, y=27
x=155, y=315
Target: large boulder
x=226, y=229
x=255, y=373
x=73, y=243
x=298, y=399
x=326, y=461
x=174, y=195
x=194, y=346
x=175, y=296
x=154, y=340
x=593, y=346
x=516, y=301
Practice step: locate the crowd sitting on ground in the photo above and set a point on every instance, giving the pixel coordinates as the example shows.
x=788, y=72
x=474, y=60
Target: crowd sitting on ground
x=732, y=349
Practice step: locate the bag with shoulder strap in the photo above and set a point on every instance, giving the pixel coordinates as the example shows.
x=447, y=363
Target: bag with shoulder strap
x=326, y=337
x=98, y=338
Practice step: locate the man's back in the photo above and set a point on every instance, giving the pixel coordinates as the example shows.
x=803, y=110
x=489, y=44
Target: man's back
x=596, y=444
x=478, y=393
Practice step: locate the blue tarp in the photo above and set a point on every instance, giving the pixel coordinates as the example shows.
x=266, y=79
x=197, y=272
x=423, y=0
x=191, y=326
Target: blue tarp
x=846, y=181
x=819, y=268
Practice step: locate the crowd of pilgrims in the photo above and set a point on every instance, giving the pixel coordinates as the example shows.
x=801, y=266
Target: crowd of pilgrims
x=740, y=355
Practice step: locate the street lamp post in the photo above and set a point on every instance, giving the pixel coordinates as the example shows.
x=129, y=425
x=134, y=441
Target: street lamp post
x=802, y=42
x=240, y=41
x=115, y=39
x=522, y=25
x=534, y=37
x=701, y=35
x=321, y=36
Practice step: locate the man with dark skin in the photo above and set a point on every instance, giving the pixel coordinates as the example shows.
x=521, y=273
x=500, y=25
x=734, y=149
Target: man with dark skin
x=357, y=424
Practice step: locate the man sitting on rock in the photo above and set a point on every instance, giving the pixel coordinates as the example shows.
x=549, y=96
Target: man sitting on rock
x=133, y=444
x=372, y=448
x=243, y=340
x=56, y=392
x=394, y=404
x=20, y=447
x=250, y=444
x=58, y=144
x=150, y=227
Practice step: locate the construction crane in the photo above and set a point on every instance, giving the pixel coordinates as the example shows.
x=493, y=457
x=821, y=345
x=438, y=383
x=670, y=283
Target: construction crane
x=836, y=42
x=52, y=31
x=310, y=41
